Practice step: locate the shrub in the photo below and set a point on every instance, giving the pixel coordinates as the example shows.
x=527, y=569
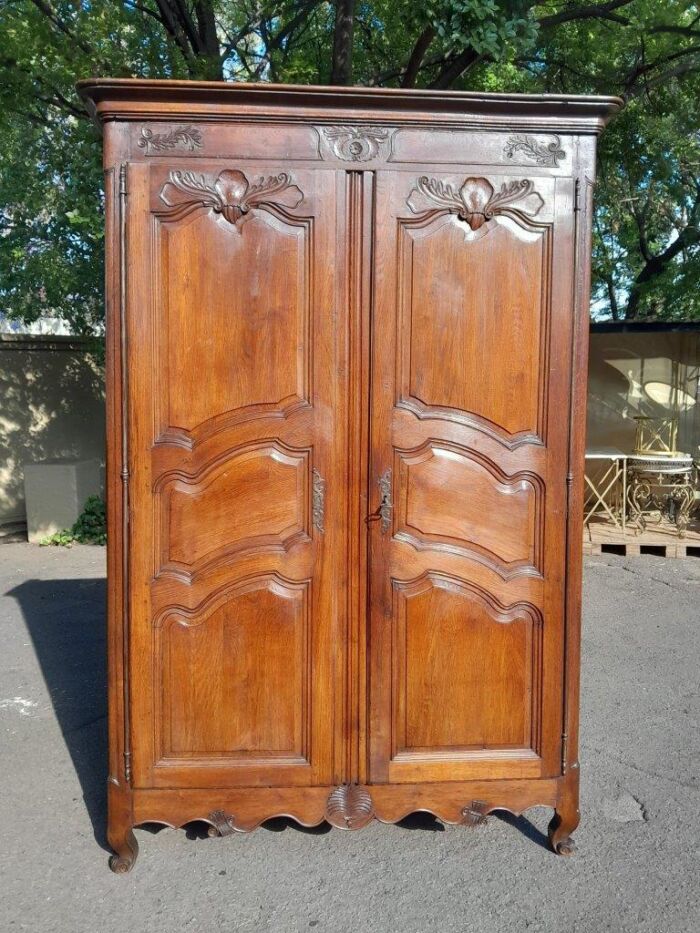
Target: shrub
x=90, y=528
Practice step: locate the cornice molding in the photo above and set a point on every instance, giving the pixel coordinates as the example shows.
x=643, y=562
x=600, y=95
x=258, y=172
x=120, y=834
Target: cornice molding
x=125, y=98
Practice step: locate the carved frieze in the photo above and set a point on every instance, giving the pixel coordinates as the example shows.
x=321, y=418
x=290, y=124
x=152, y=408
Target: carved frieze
x=476, y=201
x=186, y=138
x=541, y=153
x=357, y=143
x=230, y=194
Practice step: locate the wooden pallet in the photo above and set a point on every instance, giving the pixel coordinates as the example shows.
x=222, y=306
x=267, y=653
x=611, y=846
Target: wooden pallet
x=602, y=537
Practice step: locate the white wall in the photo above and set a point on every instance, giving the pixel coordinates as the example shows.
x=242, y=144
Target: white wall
x=621, y=364
x=51, y=405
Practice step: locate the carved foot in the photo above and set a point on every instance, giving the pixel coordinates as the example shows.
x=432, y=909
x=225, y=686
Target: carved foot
x=349, y=807
x=126, y=851
x=222, y=824
x=560, y=829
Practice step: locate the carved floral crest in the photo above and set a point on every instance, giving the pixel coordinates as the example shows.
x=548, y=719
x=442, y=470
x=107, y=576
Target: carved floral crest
x=541, y=153
x=356, y=143
x=477, y=200
x=230, y=194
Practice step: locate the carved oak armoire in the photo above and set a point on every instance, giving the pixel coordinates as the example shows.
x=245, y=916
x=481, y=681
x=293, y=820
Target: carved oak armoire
x=347, y=340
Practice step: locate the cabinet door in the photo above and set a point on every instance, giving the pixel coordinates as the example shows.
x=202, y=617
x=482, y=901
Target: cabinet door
x=469, y=430
x=235, y=453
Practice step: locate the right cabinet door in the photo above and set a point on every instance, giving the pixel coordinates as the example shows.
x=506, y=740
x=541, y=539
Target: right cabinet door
x=471, y=365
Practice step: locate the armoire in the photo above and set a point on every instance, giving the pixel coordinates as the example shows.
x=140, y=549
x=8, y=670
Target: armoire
x=346, y=386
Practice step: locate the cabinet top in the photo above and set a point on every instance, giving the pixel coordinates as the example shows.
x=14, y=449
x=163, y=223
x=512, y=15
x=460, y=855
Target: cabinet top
x=129, y=99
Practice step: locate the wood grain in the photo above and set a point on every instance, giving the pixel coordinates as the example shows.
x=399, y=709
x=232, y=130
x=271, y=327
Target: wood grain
x=346, y=353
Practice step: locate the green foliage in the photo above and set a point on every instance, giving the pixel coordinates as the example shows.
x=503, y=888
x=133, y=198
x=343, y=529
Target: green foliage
x=90, y=528
x=489, y=27
x=647, y=228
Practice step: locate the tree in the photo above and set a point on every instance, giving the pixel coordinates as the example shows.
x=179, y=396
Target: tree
x=646, y=243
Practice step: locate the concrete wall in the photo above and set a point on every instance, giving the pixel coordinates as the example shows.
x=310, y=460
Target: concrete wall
x=624, y=362
x=52, y=397
x=51, y=406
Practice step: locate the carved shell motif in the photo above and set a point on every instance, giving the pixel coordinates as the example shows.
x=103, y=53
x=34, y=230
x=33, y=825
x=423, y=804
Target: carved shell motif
x=476, y=201
x=230, y=194
x=349, y=807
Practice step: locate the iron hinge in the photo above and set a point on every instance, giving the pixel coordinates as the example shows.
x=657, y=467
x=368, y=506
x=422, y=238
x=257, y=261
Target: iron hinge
x=564, y=751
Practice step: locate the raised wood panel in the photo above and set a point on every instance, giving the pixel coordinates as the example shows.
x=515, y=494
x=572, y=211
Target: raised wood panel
x=188, y=141
x=465, y=683
x=421, y=145
x=253, y=498
x=474, y=310
x=234, y=674
x=234, y=395
x=452, y=499
x=232, y=331
x=466, y=674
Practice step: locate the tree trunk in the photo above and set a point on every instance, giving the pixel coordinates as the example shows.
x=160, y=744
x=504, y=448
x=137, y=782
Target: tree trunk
x=208, y=40
x=342, y=42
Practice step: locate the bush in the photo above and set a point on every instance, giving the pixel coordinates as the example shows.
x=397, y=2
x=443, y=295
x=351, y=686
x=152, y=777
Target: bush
x=90, y=528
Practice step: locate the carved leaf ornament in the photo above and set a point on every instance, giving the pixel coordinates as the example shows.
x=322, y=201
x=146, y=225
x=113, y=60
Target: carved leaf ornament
x=230, y=195
x=540, y=153
x=182, y=137
x=477, y=201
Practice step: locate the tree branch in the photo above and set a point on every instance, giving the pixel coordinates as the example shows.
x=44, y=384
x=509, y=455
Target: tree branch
x=45, y=7
x=456, y=67
x=689, y=236
x=417, y=55
x=590, y=11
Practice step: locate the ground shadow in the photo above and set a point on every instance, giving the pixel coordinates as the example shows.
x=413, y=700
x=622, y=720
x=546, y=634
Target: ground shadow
x=524, y=826
x=66, y=622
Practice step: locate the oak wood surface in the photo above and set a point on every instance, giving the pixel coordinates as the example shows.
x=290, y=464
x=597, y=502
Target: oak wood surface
x=346, y=392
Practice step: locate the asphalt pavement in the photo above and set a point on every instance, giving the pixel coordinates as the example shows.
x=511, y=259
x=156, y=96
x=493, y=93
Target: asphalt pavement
x=637, y=866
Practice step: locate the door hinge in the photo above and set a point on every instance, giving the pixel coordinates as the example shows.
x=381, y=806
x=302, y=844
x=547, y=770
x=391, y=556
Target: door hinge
x=577, y=195
x=122, y=180
x=127, y=767
x=564, y=751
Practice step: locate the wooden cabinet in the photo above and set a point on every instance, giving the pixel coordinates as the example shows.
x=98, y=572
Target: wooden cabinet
x=347, y=336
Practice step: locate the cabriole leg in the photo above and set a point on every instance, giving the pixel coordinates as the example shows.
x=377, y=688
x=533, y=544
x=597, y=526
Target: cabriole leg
x=120, y=828
x=565, y=820
x=126, y=850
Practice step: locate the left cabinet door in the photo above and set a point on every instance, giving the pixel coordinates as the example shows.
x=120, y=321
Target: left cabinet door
x=235, y=451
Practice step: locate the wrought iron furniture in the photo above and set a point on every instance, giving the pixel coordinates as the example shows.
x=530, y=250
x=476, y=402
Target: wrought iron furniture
x=347, y=338
x=656, y=436
x=606, y=489
x=660, y=488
